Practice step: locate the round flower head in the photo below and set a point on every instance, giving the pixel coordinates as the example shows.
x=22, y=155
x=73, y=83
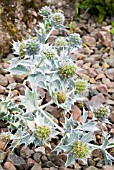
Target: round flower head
x=61, y=97
x=43, y=132
x=61, y=42
x=58, y=18
x=32, y=47
x=80, y=150
x=67, y=70
x=50, y=53
x=80, y=85
x=22, y=50
x=74, y=40
x=45, y=11
x=101, y=112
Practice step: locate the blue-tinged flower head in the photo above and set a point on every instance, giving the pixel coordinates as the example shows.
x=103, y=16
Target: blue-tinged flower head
x=58, y=18
x=74, y=40
x=45, y=11
x=32, y=47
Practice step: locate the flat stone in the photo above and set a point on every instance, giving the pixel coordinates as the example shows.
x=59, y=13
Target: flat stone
x=102, y=88
x=9, y=166
x=3, y=80
x=91, y=168
x=48, y=164
x=105, y=37
x=110, y=73
x=26, y=152
x=16, y=160
x=108, y=167
x=36, y=167
x=76, y=112
x=37, y=157
x=88, y=40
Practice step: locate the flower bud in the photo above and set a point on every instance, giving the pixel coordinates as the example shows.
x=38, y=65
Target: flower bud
x=67, y=70
x=32, y=47
x=80, y=85
x=80, y=150
x=22, y=50
x=50, y=53
x=101, y=112
x=43, y=132
x=61, y=97
x=58, y=18
x=45, y=11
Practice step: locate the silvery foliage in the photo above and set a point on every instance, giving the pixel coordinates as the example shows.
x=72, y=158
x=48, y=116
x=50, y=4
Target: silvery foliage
x=26, y=112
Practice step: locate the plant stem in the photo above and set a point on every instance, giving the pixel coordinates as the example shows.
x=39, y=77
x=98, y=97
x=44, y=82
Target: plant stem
x=50, y=33
x=47, y=104
x=50, y=120
x=40, y=63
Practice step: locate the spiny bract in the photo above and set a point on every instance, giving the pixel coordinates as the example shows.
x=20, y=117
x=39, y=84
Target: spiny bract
x=58, y=18
x=101, y=113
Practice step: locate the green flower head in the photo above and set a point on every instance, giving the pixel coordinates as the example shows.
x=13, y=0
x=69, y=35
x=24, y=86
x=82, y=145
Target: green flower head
x=61, y=97
x=45, y=11
x=22, y=50
x=80, y=85
x=50, y=53
x=43, y=132
x=80, y=150
x=60, y=42
x=67, y=70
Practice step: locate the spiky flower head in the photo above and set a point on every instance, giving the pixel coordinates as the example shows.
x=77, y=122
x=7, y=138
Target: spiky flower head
x=43, y=132
x=60, y=42
x=61, y=97
x=67, y=70
x=50, y=53
x=58, y=18
x=101, y=112
x=80, y=150
x=32, y=47
x=80, y=85
x=74, y=40
x=22, y=50
x=45, y=11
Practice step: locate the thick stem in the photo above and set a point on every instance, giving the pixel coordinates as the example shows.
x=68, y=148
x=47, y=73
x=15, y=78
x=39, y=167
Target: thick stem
x=50, y=120
x=50, y=33
x=45, y=105
x=40, y=63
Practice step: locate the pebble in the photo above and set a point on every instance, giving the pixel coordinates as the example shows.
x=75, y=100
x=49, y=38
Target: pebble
x=108, y=167
x=9, y=166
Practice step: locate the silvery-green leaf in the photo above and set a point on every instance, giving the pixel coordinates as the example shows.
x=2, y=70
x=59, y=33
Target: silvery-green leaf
x=70, y=159
x=19, y=70
x=107, y=157
x=66, y=148
x=68, y=123
x=85, y=115
x=87, y=137
x=90, y=126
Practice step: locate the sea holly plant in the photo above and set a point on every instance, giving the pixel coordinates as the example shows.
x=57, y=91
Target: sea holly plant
x=51, y=68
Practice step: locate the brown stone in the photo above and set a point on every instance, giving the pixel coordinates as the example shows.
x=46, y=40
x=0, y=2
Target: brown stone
x=76, y=112
x=111, y=117
x=102, y=88
x=105, y=37
x=110, y=73
x=3, y=80
x=9, y=166
x=108, y=167
x=2, y=89
x=88, y=40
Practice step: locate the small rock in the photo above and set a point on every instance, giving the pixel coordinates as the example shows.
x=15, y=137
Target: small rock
x=88, y=40
x=29, y=163
x=37, y=157
x=44, y=158
x=97, y=153
x=100, y=76
x=91, y=168
x=110, y=85
x=111, y=117
x=26, y=152
x=100, y=163
x=105, y=66
x=110, y=102
x=76, y=112
x=3, y=80
x=108, y=167
x=110, y=73
x=91, y=162
x=2, y=89
x=105, y=37
x=99, y=98
x=102, y=88
x=36, y=167
x=9, y=166
x=16, y=160
x=53, y=168
x=48, y=164
x=92, y=72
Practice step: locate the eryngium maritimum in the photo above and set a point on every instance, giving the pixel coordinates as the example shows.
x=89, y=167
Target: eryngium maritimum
x=101, y=112
x=80, y=85
x=61, y=42
x=80, y=150
x=22, y=50
x=58, y=18
x=61, y=97
x=74, y=40
x=67, y=71
x=45, y=11
x=43, y=132
x=50, y=53
x=32, y=47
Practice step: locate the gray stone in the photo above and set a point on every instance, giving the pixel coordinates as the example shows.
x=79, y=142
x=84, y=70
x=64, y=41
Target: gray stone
x=91, y=168
x=88, y=40
x=37, y=167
